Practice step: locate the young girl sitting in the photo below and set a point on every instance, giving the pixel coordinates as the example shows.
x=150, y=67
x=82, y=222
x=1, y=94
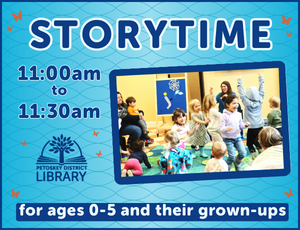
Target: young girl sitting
x=230, y=126
x=182, y=127
x=209, y=109
x=174, y=160
x=217, y=164
x=135, y=159
x=200, y=137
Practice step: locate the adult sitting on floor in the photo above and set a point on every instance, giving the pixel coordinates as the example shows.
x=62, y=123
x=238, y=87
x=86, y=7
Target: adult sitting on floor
x=272, y=156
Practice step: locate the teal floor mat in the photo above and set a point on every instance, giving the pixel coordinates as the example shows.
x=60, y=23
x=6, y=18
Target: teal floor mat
x=198, y=163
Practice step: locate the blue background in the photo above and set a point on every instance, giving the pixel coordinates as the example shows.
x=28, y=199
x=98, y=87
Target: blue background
x=176, y=100
x=18, y=162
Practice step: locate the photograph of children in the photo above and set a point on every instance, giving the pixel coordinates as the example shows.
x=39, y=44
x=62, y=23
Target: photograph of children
x=212, y=121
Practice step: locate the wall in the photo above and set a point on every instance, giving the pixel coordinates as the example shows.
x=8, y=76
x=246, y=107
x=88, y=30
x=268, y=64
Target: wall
x=250, y=78
x=142, y=87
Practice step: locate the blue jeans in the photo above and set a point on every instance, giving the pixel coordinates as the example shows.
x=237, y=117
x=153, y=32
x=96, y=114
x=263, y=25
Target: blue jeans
x=134, y=131
x=238, y=144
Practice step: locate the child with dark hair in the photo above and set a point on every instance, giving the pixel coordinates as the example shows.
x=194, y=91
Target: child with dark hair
x=135, y=159
x=131, y=102
x=230, y=126
x=182, y=127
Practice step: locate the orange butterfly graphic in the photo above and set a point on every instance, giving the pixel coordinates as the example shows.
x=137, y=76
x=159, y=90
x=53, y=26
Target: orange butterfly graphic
x=24, y=143
x=9, y=29
x=289, y=34
x=99, y=154
x=287, y=21
x=289, y=193
x=15, y=194
x=19, y=16
x=95, y=134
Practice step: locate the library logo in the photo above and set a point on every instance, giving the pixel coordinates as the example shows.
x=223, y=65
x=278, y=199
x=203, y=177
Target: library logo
x=61, y=159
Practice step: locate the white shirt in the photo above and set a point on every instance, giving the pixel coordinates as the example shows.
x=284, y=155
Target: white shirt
x=216, y=165
x=214, y=124
x=183, y=132
x=271, y=158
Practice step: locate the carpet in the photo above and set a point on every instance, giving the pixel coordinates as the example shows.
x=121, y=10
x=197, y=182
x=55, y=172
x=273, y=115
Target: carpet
x=198, y=163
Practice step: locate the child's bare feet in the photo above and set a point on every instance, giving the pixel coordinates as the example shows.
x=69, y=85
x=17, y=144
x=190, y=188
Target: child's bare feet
x=124, y=171
x=129, y=173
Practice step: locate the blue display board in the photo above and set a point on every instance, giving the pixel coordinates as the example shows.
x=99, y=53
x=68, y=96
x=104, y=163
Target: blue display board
x=170, y=94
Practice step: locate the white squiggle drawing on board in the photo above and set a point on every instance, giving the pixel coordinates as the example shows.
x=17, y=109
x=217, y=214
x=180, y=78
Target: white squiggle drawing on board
x=167, y=100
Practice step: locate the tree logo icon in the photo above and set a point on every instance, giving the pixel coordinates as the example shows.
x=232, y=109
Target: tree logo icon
x=61, y=150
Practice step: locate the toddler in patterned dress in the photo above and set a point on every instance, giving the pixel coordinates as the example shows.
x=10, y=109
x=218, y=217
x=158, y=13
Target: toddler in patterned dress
x=200, y=137
x=175, y=160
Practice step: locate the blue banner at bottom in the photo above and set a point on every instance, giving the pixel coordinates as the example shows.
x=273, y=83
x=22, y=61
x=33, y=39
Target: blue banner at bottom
x=152, y=212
